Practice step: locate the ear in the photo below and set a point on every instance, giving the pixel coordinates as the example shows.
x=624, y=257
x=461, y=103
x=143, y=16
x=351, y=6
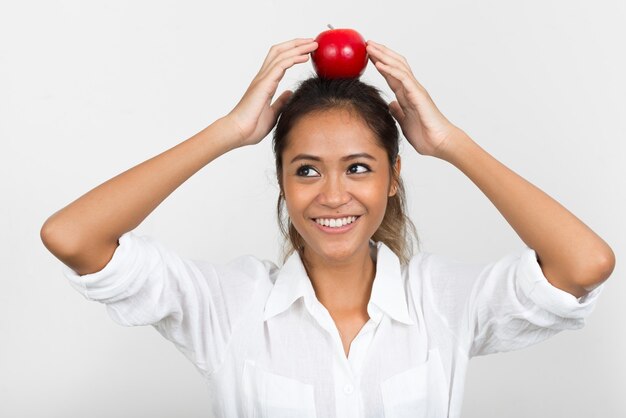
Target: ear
x=396, y=168
x=281, y=190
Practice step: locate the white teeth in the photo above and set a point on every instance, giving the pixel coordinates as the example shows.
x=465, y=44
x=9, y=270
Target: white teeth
x=335, y=223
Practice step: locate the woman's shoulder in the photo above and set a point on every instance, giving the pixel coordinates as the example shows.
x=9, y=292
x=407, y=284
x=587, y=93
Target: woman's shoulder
x=244, y=267
x=426, y=260
x=434, y=259
x=439, y=267
x=153, y=248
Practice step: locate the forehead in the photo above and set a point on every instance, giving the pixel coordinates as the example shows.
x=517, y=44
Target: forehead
x=330, y=134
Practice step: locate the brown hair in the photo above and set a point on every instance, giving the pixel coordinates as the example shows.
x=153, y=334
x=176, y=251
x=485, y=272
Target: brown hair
x=363, y=100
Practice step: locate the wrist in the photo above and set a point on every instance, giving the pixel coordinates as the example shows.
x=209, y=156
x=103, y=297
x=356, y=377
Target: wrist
x=230, y=131
x=454, y=146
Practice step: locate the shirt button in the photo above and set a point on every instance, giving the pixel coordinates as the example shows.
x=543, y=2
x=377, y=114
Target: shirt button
x=348, y=389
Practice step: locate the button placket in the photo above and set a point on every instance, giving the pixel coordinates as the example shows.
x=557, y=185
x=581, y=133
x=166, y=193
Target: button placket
x=348, y=389
x=346, y=394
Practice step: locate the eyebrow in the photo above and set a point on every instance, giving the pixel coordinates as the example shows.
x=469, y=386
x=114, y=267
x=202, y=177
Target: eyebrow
x=346, y=158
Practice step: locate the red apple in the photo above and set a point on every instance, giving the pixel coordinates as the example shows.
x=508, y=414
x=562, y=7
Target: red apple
x=340, y=53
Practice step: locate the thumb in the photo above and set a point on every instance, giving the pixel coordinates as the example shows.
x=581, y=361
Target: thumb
x=280, y=102
x=396, y=111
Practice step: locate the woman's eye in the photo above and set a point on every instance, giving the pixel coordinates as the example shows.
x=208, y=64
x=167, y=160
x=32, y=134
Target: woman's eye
x=304, y=169
x=361, y=165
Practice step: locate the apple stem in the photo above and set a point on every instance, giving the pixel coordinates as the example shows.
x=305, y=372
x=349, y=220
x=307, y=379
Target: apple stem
x=331, y=26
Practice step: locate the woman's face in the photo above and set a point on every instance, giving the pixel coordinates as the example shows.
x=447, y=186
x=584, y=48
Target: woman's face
x=323, y=179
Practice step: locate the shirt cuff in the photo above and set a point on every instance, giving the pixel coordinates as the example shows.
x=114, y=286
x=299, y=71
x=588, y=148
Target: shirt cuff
x=114, y=278
x=548, y=297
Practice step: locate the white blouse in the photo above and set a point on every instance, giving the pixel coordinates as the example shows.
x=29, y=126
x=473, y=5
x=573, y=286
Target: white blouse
x=268, y=348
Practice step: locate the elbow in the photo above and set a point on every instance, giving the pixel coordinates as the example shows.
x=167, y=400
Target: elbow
x=49, y=238
x=597, y=272
x=85, y=259
x=584, y=275
x=46, y=234
x=55, y=239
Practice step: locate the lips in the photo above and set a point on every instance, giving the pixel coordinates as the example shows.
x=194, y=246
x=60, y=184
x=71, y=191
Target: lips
x=336, y=230
x=335, y=217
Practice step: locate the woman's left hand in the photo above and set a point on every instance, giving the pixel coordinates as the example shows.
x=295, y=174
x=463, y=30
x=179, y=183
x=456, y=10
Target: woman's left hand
x=423, y=125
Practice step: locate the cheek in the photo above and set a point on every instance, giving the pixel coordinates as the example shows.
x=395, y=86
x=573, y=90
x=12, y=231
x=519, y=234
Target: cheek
x=297, y=199
x=294, y=192
x=378, y=200
x=375, y=193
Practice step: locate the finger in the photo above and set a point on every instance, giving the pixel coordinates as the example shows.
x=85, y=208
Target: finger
x=389, y=59
x=380, y=47
x=394, y=82
x=296, y=55
x=380, y=55
x=277, y=70
x=372, y=56
x=304, y=50
x=385, y=71
x=411, y=95
x=399, y=81
x=285, y=46
x=280, y=102
x=405, y=78
x=396, y=111
x=379, y=52
x=269, y=81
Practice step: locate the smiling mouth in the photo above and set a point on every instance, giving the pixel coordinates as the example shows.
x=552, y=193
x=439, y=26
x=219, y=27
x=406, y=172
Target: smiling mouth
x=336, y=223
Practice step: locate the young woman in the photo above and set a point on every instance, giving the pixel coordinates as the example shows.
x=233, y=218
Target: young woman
x=352, y=324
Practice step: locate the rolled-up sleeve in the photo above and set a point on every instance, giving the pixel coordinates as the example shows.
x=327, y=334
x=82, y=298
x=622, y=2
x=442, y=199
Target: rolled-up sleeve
x=513, y=306
x=533, y=283
x=123, y=276
x=505, y=305
x=145, y=283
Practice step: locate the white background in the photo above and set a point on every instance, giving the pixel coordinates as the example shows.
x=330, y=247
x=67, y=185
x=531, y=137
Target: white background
x=90, y=89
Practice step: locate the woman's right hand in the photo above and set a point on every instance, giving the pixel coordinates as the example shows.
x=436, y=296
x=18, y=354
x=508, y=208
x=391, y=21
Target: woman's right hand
x=254, y=117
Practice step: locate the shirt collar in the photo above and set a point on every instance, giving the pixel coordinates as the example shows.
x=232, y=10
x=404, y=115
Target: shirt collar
x=388, y=290
x=291, y=284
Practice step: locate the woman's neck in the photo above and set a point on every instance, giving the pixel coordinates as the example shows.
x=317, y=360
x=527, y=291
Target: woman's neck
x=343, y=287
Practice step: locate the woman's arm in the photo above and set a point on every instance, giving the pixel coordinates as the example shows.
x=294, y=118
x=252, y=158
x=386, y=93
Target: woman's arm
x=84, y=234
x=572, y=257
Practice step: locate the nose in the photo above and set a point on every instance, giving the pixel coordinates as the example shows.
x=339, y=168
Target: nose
x=334, y=192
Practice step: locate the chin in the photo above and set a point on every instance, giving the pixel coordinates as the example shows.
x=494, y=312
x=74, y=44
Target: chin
x=336, y=251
